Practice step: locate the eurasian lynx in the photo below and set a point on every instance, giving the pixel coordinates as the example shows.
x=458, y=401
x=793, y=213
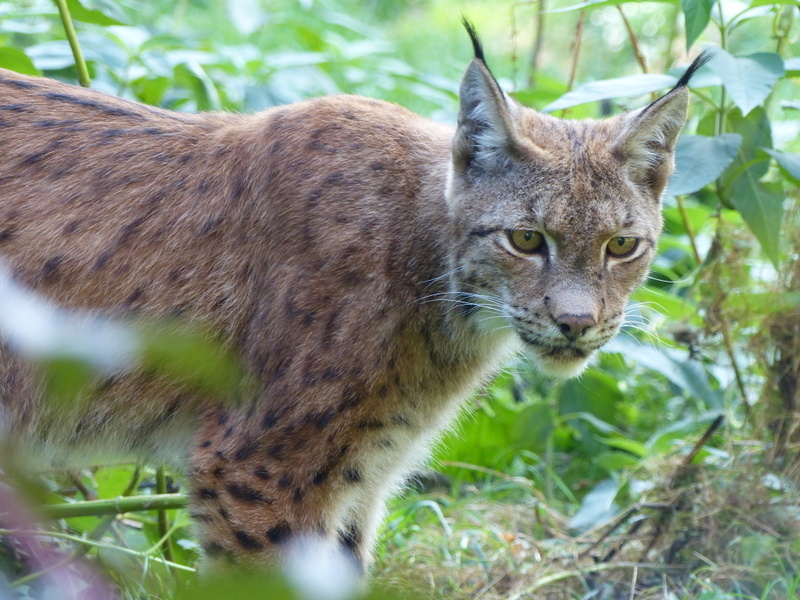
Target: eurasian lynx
x=368, y=266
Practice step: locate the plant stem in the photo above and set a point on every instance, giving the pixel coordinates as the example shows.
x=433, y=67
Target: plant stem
x=538, y=42
x=114, y=506
x=69, y=29
x=689, y=229
x=634, y=41
x=163, y=517
x=80, y=540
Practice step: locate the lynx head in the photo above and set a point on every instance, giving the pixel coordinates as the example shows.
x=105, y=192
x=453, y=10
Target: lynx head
x=555, y=222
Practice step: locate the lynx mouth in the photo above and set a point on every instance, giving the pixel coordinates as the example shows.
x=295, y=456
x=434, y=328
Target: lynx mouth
x=560, y=361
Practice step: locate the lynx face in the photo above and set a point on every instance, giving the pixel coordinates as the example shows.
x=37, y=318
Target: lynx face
x=556, y=222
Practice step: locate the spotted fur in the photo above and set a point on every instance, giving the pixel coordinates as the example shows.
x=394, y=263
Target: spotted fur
x=354, y=255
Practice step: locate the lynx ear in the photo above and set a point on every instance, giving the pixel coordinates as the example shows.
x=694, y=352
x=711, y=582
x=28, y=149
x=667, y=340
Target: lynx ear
x=484, y=137
x=646, y=143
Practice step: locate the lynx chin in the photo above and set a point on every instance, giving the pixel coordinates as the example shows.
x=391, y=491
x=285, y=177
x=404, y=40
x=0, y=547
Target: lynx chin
x=369, y=267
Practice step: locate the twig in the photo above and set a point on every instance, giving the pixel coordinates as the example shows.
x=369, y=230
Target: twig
x=537, y=43
x=163, y=517
x=72, y=37
x=634, y=42
x=114, y=506
x=687, y=224
x=556, y=577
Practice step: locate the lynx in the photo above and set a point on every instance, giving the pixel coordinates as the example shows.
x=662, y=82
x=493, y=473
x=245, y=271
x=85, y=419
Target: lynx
x=369, y=268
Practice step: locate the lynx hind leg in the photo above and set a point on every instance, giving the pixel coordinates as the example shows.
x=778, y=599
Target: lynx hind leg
x=255, y=503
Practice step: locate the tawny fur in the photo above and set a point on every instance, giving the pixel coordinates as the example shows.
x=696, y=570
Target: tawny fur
x=355, y=256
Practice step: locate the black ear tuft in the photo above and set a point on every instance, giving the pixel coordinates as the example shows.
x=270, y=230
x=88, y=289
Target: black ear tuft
x=476, y=42
x=705, y=56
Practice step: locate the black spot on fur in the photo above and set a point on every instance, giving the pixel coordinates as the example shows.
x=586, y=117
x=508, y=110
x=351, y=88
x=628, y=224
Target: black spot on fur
x=319, y=478
x=286, y=481
x=247, y=449
x=50, y=268
x=297, y=497
x=270, y=420
x=207, y=493
x=276, y=451
x=350, y=398
x=94, y=104
x=332, y=374
x=213, y=549
x=15, y=107
x=23, y=85
x=218, y=472
x=352, y=475
x=279, y=534
x=245, y=493
x=6, y=234
x=247, y=541
x=262, y=473
x=205, y=444
x=325, y=418
x=135, y=295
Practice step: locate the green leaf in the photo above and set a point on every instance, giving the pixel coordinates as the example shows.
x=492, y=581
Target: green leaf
x=602, y=3
x=699, y=160
x=630, y=446
x=620, y=87
x=748, y=79
x=616, y=461
x=597, y=507
x=697, y=14
x=16, y=60
x=756, y=133
x=792, y=66
x=103, y=13
x=788, y=162
x=190, y=355
x=761, y=206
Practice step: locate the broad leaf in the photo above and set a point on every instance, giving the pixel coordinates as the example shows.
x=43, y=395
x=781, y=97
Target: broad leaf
x=17, y=60
x=601, y=3
x=620, y=87
x=748, y=79
x=697, y=14
x=100, y=12
x=788, y=162
x=792, y=66
x=699, y=160
x=598, y=506
x=756, y=133
x=761, y=205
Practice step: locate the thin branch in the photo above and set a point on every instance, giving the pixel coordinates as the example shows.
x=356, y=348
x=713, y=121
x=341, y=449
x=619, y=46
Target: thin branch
x=163, y=517
x=634, y=41
x=687, y=224
x=114, y=506
x=72, y=37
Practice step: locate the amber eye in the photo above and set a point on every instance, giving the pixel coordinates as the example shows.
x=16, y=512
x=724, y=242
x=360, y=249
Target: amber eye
x=622, y=246
x=526, y=240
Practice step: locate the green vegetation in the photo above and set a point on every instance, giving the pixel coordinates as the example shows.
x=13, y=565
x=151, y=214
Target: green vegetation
x=621, y=484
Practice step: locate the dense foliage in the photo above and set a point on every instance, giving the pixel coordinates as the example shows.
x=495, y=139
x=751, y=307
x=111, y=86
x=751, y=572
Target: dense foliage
x=623, y=483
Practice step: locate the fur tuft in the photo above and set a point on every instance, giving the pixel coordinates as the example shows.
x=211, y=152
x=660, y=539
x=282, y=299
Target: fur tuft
x=705, y=56
x=476, y=42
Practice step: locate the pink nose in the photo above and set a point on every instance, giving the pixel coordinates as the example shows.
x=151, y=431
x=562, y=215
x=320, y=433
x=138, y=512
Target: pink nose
x=575, y=326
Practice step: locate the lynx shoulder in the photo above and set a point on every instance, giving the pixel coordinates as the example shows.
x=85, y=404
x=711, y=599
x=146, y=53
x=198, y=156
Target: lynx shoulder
x=368, y=267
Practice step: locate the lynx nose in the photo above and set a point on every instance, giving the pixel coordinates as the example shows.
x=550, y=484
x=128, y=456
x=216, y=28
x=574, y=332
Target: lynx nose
x=575, y=326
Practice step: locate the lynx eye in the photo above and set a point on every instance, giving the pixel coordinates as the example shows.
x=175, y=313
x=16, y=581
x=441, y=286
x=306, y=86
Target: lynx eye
x=622, y=246
x=526, y=240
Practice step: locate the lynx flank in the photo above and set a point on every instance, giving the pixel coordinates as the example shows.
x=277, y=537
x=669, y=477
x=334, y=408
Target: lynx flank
x=369, y=267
